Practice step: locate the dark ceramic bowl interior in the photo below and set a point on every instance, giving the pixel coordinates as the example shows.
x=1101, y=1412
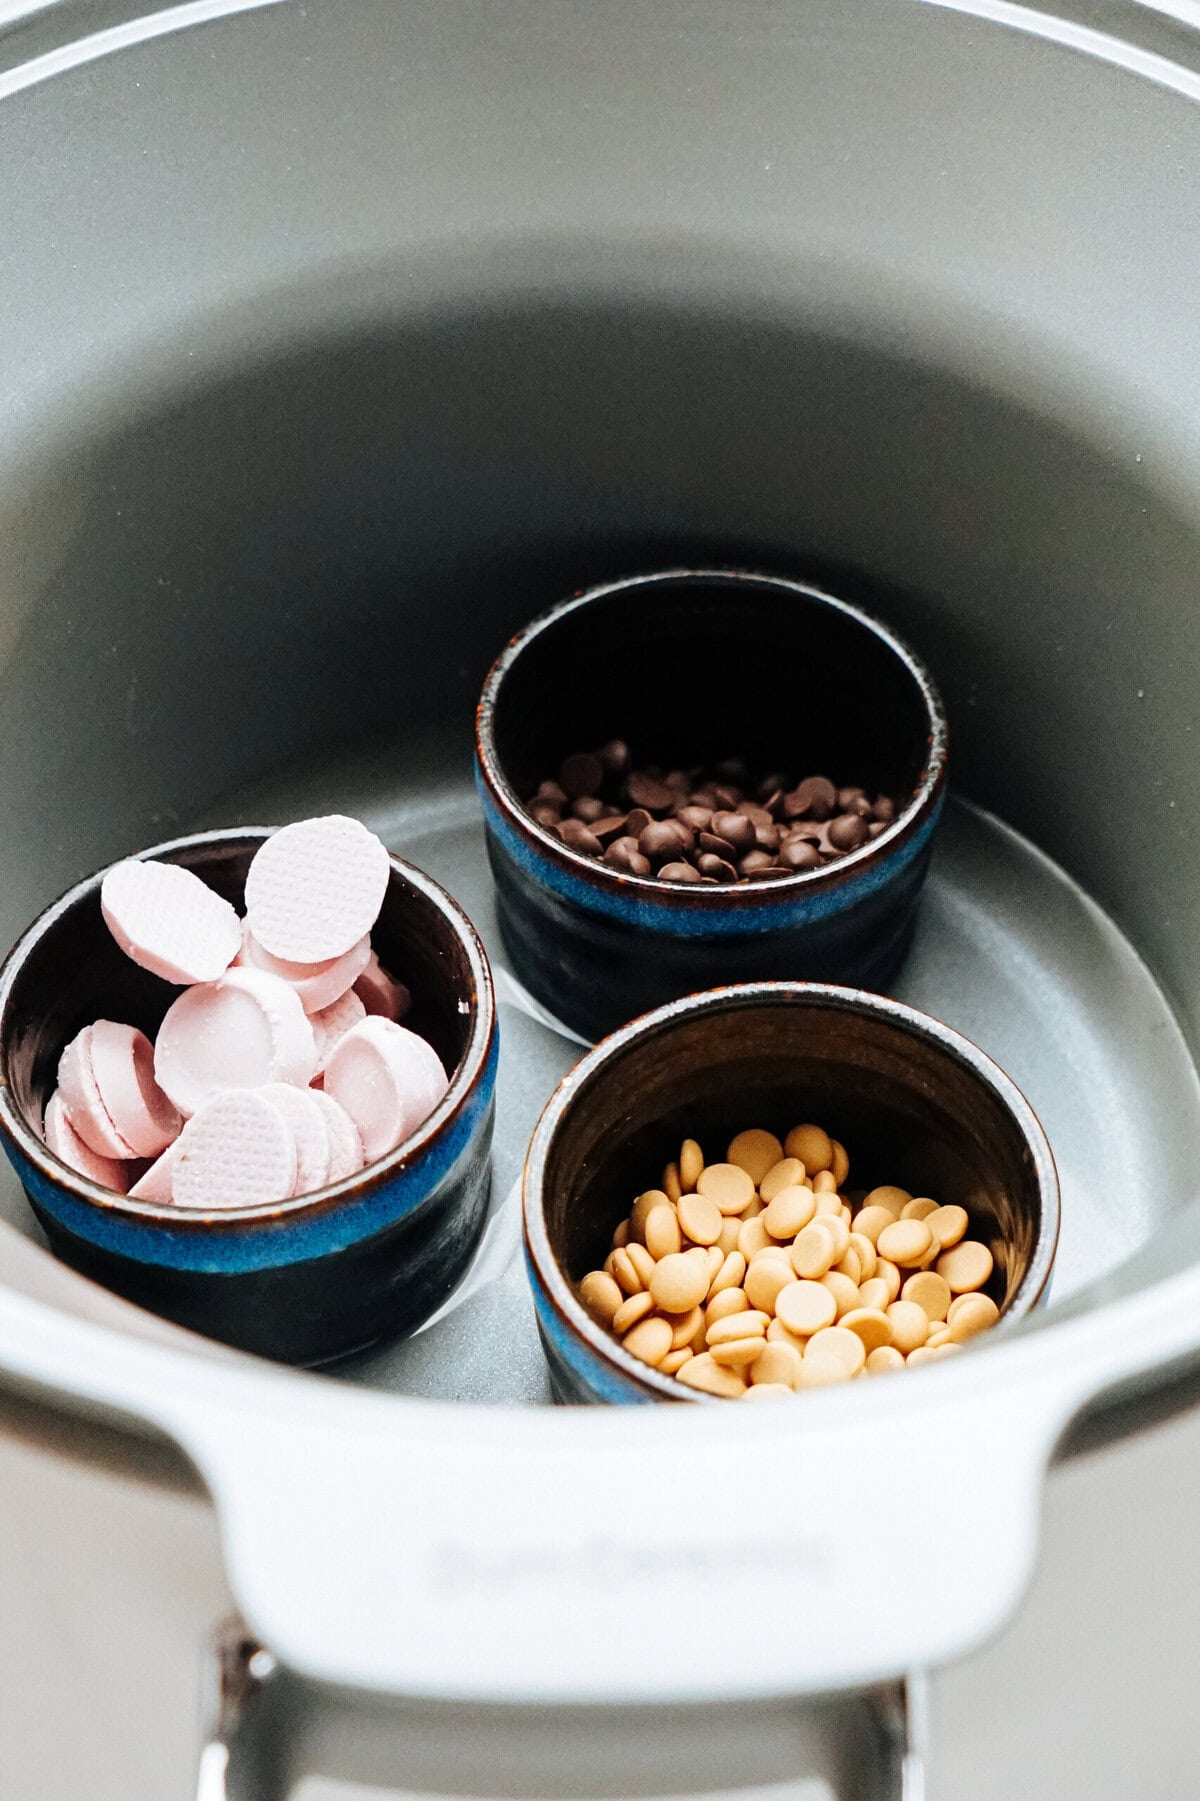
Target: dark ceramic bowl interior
x=691, y=667
x=914, y=1103
x=70, y=971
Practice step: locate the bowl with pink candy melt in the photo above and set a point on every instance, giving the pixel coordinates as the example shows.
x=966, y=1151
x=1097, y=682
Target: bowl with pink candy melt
x=247, y=1081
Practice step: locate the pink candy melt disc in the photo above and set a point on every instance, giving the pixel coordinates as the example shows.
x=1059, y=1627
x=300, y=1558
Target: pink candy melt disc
x=345, y=1145
x=315, y=888
x=238, y=1152
x=243, y=1031
x=306, y=1122
x=319, y=985
x=387, y=1079
x=123, y=1066
x=332, y=1024
x=69, y=1148
x=82, y=1100
x=169, y=921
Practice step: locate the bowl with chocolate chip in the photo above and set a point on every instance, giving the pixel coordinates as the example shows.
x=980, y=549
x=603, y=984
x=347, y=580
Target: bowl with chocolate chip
x=696, y=777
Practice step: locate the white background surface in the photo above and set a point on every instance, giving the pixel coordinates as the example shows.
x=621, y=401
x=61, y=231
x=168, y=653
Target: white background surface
x=110, y=1587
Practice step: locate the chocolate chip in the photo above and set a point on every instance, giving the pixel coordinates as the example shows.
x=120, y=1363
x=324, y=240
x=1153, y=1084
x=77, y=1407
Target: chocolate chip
x=798, y=853
x=613, y=825
x=588, y=808
x=576, y=834
x=660, y=841
x=645, y=791
x=884, y=809
x=756, y=815
x=770, y=874
x=553, y=794
x=876, y=826
x=580, y=774
x=679, y=872
x=846, y=798
x=766, y=837
x=698, y=818
x=716, y=846
x=814, y=798
x=544, y=813
x=847, y=832
x=636, y=822
x=623, y=854
x=724, y=795
x=755, y=860
x=736, y=830
x=771, y=785
x=716, y=867
x=774, y=804
x=614, y=757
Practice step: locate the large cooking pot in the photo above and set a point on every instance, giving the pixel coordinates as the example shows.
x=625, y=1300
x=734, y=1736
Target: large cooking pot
x=339, y=339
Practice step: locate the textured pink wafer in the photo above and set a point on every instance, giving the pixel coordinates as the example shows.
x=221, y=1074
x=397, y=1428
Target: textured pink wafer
x=345, y=1145
x=81, y=1098
x=306, y=1122
x=123, y=1066
x=169, y=921
x=157, y=1184
x=387, y=1079
x=62, y=1138
x=332, y=1024
x=238, y=1152
x=241, y=1032
x=380, y=992
x=315, y=888
x=319, y=985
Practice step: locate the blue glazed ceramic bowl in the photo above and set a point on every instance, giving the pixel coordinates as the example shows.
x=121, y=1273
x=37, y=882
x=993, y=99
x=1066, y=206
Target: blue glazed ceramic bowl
x=914, y=1103
x=312, y=1278
x=689, y=667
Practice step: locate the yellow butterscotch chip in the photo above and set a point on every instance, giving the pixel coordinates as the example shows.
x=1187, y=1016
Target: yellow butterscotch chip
x=752, y=1209
x=920, y=1207
x=824, y=1182
x=643, y=1207
x=923, y=1354
x=789, y=1172
x=703, y=1373
x=843, y=1290
x=672, y=1186
x=894, y=1199
x=736, y=1353
x=910, y=1325
x=752, y=1236
x=700, y=1219
x=662, y=1232
x=966, y=1267
x=764, y=1279
x=804, y=1307
x=767, y=1391
x=621, y=1268
x=601, y=1296
x=631, y=1311
x=620, y=1237
x=889, y=1273
x=730, y=1274
x=869, y=1324
x=884, y=1357
x=930, y=1291
x=938, y=1335
x=905, y=1242
x=836, y=1341
x=739, y=1325
x=871, y=1221
x=815, y=1250
x=684, y=1326
x=714, y=1258
x=874, y=1293
x=948, y=1225
x=756, y=1152
x=679, y=1282
x=727, y=1301
x=779, y=1363
x=823, y=1372
x=649, y=1340
x=777, y=1333
x=971, y=1314
x=850, y=1266
x=841, y=1162
x=728, y=1184
x=691, y=1162
x=813, y=1147
x=827, y=1202
x=867, y=1253
x=789, y=1212
x=641, y=1260
x=674, y=1361
x=839, y=1230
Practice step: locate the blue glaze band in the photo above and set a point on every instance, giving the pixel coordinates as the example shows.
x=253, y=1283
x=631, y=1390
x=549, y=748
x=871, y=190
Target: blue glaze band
x=593, y=1376
x=231, y=1248
x=776, y=912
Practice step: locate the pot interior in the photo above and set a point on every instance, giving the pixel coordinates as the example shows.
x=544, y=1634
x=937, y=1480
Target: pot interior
x=264, y=535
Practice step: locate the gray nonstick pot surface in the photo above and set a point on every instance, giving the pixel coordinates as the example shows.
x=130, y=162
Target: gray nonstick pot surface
x=340, y=340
